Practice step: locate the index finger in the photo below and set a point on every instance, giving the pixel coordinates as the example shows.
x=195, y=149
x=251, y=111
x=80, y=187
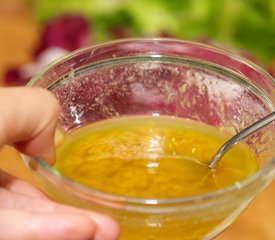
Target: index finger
x=28, y=120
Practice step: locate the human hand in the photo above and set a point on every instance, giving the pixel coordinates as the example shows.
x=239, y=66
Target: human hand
x=28, y=119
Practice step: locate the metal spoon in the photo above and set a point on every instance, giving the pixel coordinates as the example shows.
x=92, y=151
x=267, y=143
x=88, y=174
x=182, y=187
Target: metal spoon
x=239, y=136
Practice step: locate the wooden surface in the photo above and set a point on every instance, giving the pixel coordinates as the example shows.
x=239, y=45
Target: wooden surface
x=18, y=36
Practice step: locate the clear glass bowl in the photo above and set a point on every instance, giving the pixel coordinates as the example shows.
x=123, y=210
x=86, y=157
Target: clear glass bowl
x=161, y=77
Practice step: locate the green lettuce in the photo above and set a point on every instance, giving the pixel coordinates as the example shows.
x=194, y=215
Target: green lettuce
x=245, y=24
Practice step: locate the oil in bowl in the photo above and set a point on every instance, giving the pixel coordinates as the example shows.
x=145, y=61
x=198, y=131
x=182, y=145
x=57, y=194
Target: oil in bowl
x=151, y=157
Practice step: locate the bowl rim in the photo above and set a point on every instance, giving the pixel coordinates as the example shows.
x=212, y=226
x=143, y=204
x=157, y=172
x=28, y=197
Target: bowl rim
x=219, y=50
x=237, y=186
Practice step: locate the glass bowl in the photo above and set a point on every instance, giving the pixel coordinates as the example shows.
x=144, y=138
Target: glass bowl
x=161, y=77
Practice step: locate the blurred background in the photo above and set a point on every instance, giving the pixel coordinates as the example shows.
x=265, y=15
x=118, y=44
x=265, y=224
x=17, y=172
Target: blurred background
x=35, y=32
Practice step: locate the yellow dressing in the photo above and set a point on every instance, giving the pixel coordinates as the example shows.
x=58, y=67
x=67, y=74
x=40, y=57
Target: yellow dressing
x=151, y=157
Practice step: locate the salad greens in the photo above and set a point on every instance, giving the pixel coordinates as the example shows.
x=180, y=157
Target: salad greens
x=244, y=24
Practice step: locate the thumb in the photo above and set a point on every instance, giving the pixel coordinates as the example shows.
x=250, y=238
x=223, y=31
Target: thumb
x=28, y=120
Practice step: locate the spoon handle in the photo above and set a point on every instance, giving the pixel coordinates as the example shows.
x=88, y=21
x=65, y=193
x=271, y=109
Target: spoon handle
x=239, y=136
